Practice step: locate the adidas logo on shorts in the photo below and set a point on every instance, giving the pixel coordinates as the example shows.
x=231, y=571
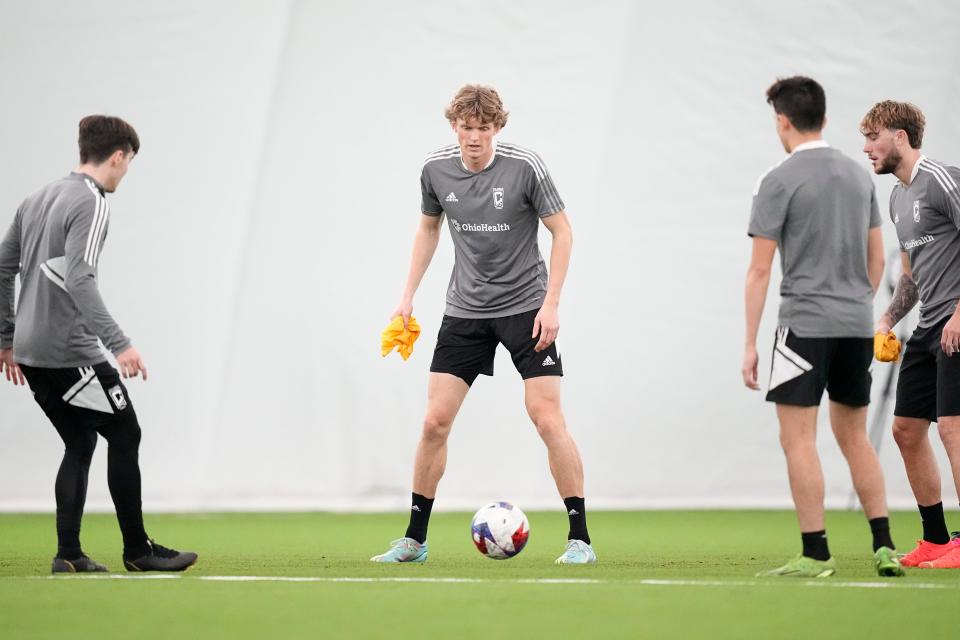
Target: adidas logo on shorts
x=452, y=197
x=547, y=362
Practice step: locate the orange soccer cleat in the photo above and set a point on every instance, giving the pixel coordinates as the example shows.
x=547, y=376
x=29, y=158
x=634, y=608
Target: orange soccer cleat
x=949, y=560
x=927, y=552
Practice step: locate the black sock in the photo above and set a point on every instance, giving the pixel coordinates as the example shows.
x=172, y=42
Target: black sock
x=934, y=524
x=577, y=513
x=815, y=545
x=419, y=518
x=881, y=533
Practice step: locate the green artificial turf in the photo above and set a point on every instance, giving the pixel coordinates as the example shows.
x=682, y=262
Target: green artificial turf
x=662, y=574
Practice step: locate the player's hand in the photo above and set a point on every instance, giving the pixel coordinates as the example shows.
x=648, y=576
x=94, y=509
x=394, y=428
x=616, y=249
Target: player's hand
x=886, y=347
x=546, y=325
x=950, y=339
x=884, y=326
x=131, y=363
x=9, y=366
x=404, y=310
x=749, y=369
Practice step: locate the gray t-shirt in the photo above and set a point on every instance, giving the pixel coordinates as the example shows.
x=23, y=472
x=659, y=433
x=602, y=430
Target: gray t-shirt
x=927, y=216
x=493, y=216
x=819, y=205
x=55, y=243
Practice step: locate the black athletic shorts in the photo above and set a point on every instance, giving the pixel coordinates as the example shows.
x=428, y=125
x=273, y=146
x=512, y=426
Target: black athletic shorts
x=466, y=347
x=803, y=367
x=81, y=397
x=929, y=382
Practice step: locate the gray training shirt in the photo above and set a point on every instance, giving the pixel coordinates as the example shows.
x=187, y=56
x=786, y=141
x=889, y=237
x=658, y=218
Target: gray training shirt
x=819, y=205
x=493, y=216
x=55, y=243
x=927, y=216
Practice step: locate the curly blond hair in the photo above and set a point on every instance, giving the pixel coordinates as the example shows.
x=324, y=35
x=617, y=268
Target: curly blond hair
x=895, y=115
x=480, y=102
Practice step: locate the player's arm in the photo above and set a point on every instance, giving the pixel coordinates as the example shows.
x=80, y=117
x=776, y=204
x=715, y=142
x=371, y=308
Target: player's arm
x=875, y=259
x=945, y=197
x=9, y=268
x=424, y=246
x=755, y=296
x=768, y=216
x=547, y=323
x=905, y=297
x=84, y=240
x=950, y=338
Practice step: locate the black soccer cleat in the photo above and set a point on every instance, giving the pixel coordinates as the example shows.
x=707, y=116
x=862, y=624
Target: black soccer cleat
x=161, y=558
x=83, y=564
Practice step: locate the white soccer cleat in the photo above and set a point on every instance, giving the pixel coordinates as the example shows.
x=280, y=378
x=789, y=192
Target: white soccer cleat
x=577, y=552
x=403, y=550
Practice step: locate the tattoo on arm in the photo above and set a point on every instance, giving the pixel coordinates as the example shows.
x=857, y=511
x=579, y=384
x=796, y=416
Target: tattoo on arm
x=905, y=297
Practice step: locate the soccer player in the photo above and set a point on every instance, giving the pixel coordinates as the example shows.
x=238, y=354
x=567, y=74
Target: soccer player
x=494, y=196
x=925, y=209
x=819, y=209
x=55, y=243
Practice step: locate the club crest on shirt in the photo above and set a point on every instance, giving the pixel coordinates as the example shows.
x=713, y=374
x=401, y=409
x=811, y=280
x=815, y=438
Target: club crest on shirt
x=916, y=211
x=498, y=197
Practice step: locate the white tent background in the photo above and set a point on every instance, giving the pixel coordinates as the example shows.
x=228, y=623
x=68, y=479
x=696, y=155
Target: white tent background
x=261, y=239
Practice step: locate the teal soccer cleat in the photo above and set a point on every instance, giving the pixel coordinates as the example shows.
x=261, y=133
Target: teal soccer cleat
x=577, y=552
x=403, y=550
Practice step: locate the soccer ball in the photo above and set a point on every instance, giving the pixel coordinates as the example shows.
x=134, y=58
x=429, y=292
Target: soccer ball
x=500, y=530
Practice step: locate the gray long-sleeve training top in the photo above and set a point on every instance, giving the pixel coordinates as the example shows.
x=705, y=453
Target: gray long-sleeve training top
x=55, y=243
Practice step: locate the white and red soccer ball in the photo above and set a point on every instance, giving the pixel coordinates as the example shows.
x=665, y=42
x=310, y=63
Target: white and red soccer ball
x=500, y=530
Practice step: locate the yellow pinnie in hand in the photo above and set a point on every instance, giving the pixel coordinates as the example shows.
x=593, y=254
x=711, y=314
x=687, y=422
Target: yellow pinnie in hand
x=886, y=347
x=396, y=336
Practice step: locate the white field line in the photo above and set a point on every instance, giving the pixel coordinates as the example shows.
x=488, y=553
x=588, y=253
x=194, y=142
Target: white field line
x=650, y=582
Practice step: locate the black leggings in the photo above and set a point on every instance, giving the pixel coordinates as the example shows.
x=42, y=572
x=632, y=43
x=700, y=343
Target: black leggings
x=82, y=403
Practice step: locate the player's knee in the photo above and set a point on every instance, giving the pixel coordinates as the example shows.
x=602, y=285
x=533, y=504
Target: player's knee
x=83, y=448
x=908, y=433
x=135, y=435
x=126, y=438
x=548, y=421
x=949, y=429
x=787, y=442
x=850, y=438
x=795, y=442
x=550, y=429
x=436, y=427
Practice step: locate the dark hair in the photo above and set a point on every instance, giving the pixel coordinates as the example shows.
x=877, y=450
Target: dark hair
x=100, y=136
x=801, y=100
